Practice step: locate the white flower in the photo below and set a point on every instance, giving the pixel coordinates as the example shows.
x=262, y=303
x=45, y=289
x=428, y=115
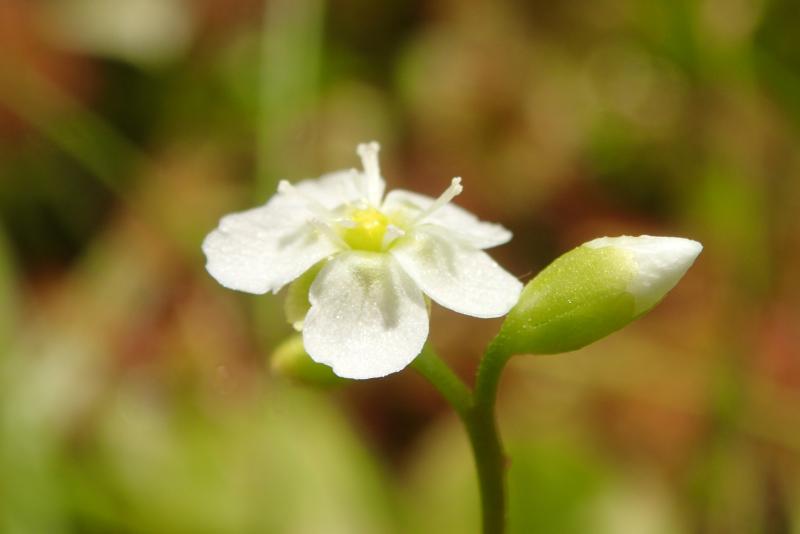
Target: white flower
x=368, y=316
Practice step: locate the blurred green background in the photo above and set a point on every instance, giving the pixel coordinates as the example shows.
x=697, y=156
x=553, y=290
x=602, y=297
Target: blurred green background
x=135, y=392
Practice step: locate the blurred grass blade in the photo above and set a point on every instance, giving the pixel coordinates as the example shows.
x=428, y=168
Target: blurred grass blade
x=63, y=121
x=8, y=294
x=291, y=50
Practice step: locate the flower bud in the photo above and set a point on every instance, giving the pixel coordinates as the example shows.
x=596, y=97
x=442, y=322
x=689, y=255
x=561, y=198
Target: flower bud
x=594, y=290
x=296, y=305
x=291, y=360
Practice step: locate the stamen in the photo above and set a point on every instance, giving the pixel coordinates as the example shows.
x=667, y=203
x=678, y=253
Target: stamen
x=368, y=152
x=392, y=232
x=288, y=189
x=449, y=194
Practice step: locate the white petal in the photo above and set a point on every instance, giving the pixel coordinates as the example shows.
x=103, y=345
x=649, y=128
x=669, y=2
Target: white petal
x=456, y=275
x=457, y=220
x=367, y=318
x=264, y=248
x=661, y=262
x=340, y=188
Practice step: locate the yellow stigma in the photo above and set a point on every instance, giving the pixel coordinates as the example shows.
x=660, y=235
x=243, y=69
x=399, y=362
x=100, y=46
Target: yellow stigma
x=367, y=234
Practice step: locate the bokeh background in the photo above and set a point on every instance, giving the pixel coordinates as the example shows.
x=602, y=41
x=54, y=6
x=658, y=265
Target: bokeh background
x=135, y=392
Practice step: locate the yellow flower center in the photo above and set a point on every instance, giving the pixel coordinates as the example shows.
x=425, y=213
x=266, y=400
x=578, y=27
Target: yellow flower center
x=369, y=230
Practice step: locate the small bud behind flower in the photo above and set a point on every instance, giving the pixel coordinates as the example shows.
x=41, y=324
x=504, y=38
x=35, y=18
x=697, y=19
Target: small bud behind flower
x=296, y=305
x=290, y=360
x=594, y=290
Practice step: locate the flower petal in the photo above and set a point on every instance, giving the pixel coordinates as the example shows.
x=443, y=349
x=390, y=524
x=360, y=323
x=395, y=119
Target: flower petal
x=456, y=275
x=459, y=221
x=264, y=248
x=367, y=318
x=340, y=188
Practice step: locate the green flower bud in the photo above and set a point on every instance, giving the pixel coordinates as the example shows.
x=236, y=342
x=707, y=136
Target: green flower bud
x=296, y=305
x=594, y=290
x=291, y=360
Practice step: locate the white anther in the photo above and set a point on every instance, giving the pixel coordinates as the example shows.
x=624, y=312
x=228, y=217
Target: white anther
x=368, y=152
x=285, y=187
x=449, y=194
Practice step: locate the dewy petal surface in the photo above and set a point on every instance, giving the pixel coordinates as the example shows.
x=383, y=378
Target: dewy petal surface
x=458, y=221
x=339, y=188
x=264, y=248
x=367, y=318
x=456, y=275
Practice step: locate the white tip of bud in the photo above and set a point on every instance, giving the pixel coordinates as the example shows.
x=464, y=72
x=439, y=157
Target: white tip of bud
x=661, y=262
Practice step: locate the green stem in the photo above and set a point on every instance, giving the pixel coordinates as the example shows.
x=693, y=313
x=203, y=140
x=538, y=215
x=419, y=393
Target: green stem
x=489, y=372
x=477, y=413
x=485, y=439
x=439, y=374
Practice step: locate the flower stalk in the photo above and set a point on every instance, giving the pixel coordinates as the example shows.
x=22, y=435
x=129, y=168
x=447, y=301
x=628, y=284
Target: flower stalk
x=477, y=413
x=581, y=297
